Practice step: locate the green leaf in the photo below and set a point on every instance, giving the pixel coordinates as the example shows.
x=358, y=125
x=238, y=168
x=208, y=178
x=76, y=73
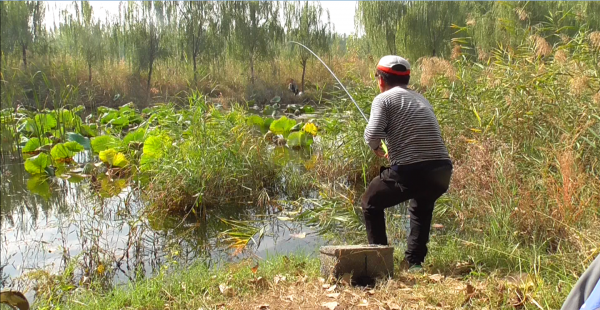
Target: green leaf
x=83, y=141
x=38, y=184
x=307, y=109
x=282, y=126
x=65, y=150
x=34, y=144
x=299, y=139
x=88, y=130
x=45, y=121
x=120, y=121
x=113, y=158
x=154, y=146
x=255, y=120
x=109, y=116
x=134, y=136
x=102, y=143
x=276, y=99
x=37, y=164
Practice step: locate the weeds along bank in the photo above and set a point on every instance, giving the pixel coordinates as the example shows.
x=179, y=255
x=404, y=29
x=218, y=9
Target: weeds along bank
x=115, y=83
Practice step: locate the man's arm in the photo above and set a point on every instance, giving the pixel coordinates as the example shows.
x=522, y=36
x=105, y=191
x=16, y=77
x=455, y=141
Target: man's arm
x=375, y=130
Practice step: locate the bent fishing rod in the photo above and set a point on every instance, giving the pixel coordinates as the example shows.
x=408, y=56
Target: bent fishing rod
x=342, y=85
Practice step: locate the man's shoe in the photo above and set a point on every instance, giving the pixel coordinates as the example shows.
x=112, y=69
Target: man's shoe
x=416, y=268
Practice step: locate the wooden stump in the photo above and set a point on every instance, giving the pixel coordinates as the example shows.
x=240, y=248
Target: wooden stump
x=364, y=262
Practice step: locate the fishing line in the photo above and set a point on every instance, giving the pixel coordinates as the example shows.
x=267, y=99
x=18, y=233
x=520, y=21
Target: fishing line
x=342, y=85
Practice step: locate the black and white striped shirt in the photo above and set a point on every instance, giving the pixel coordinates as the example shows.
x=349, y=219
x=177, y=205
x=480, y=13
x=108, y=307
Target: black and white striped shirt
x=406, y=121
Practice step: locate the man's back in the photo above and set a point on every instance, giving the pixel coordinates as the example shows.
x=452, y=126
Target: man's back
x=407, y=122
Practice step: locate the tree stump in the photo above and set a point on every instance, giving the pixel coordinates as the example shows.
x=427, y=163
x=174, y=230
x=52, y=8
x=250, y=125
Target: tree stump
x=365, y=263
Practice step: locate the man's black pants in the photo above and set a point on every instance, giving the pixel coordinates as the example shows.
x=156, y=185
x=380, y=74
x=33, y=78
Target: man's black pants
x=423, y=183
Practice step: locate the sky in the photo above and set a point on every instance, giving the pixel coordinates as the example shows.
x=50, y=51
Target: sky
x=341, y=12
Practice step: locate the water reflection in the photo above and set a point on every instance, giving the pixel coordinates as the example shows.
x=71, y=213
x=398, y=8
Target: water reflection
x=51, y=224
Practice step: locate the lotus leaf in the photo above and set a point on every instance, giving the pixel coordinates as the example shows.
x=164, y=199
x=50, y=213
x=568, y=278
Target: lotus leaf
x=85, y=142
x=37, y=164
x=102, y=143
x=282, y=126
x=113, y=158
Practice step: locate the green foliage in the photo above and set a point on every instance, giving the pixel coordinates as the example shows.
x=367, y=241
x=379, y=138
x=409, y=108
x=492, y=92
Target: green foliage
x=282, y=126
x=102, y=143
x=299, y=139
x=83, y=141
x=67, y=150
x=113, y=158
x=34, y=144
x=37, y=164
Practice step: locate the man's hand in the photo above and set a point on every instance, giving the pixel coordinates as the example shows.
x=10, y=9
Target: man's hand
x=380, y=152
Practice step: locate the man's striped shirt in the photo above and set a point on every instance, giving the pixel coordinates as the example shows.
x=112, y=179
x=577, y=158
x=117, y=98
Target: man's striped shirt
x=406, y=121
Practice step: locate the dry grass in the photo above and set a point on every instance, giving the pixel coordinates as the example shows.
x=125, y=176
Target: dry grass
x=579, y=84
x=541, y=46
x=597, y=98
x=433, y=67
x=561, y=56
x=405, y=291
x=595, y=39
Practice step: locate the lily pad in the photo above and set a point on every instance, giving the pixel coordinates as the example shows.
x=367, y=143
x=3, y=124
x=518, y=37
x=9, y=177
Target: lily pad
x=34, y=144
x=282, y=126
x=276, y=99
x=62, y=152
x=134, y=136
x=299, y=139
x=102, y=143
x=83, y=141
x=37, y=164
x=113, y=158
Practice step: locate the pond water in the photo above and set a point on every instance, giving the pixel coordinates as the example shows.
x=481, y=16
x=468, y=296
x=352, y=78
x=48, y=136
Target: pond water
x=51, y=224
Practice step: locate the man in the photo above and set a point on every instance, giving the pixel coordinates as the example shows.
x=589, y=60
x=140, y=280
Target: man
x=293, y=87
x=420, y=165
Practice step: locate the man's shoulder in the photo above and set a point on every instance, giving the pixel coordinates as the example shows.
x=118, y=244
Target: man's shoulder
x=398, y=93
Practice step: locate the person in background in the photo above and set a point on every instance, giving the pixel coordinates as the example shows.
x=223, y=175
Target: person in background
x=420, y=164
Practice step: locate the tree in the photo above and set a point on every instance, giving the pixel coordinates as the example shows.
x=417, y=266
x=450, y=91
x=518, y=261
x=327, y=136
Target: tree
x=91, y=43
x=304, y=25
x=426, y=27
x=199, y=20
x=254, y=27
x=380, y=20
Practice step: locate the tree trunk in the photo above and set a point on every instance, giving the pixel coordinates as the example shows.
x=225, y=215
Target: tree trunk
x=252, y=70
x=89, y=72
x=303, y=72
x=149, y=79
x=24, y=48
x=195, y=72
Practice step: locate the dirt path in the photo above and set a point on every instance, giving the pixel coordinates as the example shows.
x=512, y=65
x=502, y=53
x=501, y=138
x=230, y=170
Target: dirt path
x=404, y=292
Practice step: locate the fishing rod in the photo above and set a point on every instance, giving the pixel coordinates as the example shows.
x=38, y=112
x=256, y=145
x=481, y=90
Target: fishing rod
x=342, y=85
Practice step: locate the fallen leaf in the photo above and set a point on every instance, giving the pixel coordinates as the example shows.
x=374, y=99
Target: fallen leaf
x=436, y=277
x=255, y=268
x=299, y=236
x=264, y=307
x=371, y=292
x=363, y=303
x=326, y=285
x=14, y=299
x=260, y=282
x=470, y=289
x=225, y=290
x=333, y=295
x=346, y=279
x=289, y=298
x=279, y=278
x=330, y=305
x=392, y=306
x=332, y=288
x=438, y=226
